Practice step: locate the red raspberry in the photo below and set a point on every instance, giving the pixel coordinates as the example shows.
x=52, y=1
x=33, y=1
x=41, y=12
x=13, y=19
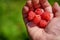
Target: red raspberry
x=42, y=23
x=37, y=16
x=38, y=11
x=46, y=16
x=31, y=15
x=37, y=19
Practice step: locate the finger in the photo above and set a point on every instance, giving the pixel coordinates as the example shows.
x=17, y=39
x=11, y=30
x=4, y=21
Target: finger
x=56, y=9
x=29, y=4
x=25, y=11
x=36, y=3
x=35, y=32
x=47, y=7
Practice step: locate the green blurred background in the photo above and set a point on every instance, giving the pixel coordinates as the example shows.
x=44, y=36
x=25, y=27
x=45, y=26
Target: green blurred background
x=12, y=26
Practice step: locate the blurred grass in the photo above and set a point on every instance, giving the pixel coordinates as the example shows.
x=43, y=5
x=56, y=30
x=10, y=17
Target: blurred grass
x=53, y=1
x=12, y=26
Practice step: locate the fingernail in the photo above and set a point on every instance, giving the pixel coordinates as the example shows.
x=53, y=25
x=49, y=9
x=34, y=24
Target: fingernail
x=56, y=7
x=29, y=3
x=56, y=4
x=26, y=9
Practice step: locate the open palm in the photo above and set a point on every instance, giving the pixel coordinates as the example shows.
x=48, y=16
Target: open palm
x=52, y=31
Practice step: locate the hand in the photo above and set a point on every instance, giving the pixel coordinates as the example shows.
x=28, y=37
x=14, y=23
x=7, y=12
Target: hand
x=52, y=31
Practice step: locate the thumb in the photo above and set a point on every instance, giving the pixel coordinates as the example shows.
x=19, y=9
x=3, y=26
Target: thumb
x=56, y=9
x=35, y=32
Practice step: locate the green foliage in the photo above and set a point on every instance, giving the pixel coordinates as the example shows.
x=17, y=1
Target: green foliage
x=53, y=1
x=11, y=21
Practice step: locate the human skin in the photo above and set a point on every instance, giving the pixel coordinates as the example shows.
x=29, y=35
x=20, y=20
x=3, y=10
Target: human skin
x=52, y=30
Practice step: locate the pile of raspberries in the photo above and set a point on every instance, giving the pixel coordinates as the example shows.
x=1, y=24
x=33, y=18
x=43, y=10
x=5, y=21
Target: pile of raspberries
x=39, y=17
